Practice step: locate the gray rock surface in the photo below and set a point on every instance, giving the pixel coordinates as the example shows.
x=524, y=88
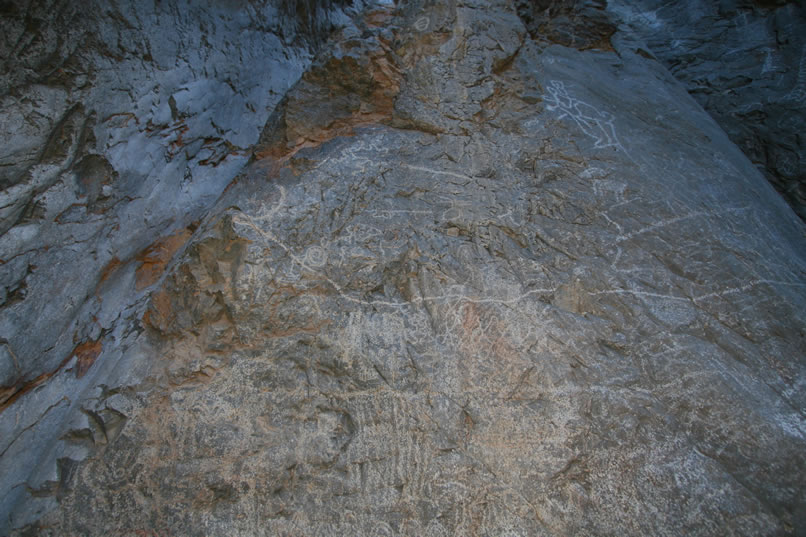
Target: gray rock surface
x=123, y=123
x=745, y=63
x=471, y=282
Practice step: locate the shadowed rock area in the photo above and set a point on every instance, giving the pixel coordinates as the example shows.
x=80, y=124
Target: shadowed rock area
x=745, y=63
x=460, y=268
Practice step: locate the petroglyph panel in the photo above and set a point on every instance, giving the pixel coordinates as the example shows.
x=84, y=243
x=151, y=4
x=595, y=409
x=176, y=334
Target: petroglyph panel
x=490, y=319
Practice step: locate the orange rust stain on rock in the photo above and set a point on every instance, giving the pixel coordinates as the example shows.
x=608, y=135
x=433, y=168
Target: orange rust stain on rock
x=85, y=354
x=160, y=314
x=378, y=84
x=378, y=18
x=113, y=265
x=9, y=394
x=156, y=257
x=175, y=146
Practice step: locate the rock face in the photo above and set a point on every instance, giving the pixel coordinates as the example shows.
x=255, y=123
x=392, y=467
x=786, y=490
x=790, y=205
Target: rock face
x=482, y=275
x=745, y=63
x=119, y=133
x=122, y=124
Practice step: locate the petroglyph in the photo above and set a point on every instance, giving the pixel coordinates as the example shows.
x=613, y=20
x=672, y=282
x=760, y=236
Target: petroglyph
x=641, y=294
x=387, y=214
x=456, y=210
x=676, y=220
x=598, y=124
x=747, y=287
x=301, y=261
x=316, y=256
x=433, y=171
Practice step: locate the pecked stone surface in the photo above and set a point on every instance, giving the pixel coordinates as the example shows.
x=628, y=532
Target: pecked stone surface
x=745, y=62
x=472, y=282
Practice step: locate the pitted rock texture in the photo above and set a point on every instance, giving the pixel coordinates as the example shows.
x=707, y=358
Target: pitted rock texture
x=745, y=63
x=471, y=283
